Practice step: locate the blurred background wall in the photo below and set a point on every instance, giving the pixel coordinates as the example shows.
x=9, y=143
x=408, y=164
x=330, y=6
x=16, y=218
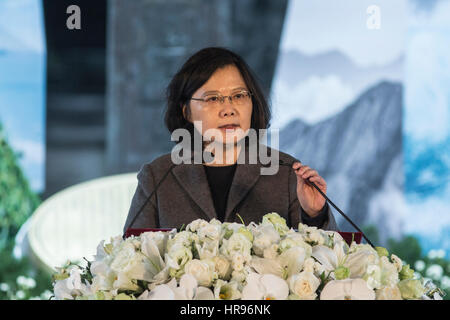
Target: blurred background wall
x=106, y=81
x=359, y=91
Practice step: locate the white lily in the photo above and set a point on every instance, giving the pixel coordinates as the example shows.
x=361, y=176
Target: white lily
x=331, y=259
x=265, y=287
x=71, y=287
x=188, y=289
x=160, y=292
x=292, y=261
x=267, y=266
x=224, y=290
x=153, y=247
x=348, y=289
x=285, y=265
x=158, y=239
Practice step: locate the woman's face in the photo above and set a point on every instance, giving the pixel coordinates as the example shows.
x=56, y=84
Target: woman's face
x=225, y=81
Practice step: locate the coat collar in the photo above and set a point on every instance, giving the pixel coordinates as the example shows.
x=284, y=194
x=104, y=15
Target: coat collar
x=192, y=177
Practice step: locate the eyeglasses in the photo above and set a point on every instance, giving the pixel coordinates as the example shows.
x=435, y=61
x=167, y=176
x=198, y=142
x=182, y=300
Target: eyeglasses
x=239, y=98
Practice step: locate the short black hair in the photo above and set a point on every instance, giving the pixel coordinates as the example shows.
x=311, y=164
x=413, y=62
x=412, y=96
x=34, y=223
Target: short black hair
x=195, y=72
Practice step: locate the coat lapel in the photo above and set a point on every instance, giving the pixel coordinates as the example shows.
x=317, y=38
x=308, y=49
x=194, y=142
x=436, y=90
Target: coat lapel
x=244, y=179
x=192, y=178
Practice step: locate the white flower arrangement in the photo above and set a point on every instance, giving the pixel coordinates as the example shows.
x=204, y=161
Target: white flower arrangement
x=229, y=261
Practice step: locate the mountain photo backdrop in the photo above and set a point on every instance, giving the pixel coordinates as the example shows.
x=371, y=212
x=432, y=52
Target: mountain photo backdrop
x=369, y=109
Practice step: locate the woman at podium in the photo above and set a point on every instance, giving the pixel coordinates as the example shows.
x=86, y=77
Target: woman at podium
x=217, y=100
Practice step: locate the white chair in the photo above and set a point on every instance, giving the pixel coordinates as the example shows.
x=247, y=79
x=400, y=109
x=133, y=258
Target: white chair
x=70, y=224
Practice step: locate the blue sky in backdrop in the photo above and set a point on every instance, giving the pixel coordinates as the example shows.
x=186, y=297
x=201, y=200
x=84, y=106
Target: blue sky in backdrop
x=426, y=124
x=22, y=84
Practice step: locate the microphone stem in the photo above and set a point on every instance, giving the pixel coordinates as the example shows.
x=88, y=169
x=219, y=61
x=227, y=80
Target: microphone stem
x=340, y=211
x=334, y=206
x=149, y=197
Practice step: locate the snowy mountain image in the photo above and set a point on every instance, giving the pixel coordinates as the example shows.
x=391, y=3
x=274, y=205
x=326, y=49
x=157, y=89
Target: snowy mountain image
x=359, y=153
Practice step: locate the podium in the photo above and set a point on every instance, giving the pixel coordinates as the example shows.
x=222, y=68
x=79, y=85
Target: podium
x=347, y=236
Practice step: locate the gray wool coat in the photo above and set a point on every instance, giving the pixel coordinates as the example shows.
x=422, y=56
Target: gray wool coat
x=185, y=195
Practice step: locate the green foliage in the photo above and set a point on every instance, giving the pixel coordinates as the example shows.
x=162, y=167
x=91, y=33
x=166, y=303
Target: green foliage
x=17, y=201
x=407, y=248
x=18, y=278
x=436, y=269
x=371, y=233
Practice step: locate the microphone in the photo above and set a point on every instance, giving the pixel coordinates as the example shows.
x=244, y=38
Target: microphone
x=153, y=192
x=148, y=198
x=282, y=163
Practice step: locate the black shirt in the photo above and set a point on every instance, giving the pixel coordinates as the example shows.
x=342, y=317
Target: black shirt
x=220, y=179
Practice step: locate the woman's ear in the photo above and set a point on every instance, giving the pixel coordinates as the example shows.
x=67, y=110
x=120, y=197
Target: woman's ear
x=185, y=114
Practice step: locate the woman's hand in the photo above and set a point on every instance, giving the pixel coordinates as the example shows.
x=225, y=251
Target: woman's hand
x=310, y=199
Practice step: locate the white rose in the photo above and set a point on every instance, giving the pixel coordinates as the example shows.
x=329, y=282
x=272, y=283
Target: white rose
x=304, y=285
x=130, y=263
x=202, y=270
x=222, y=266
x=388, y=293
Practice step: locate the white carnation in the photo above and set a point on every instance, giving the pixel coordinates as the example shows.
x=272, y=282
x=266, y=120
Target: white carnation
x=196, y=224
x=264, y=236
x=209, y=232
x=236, y=244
